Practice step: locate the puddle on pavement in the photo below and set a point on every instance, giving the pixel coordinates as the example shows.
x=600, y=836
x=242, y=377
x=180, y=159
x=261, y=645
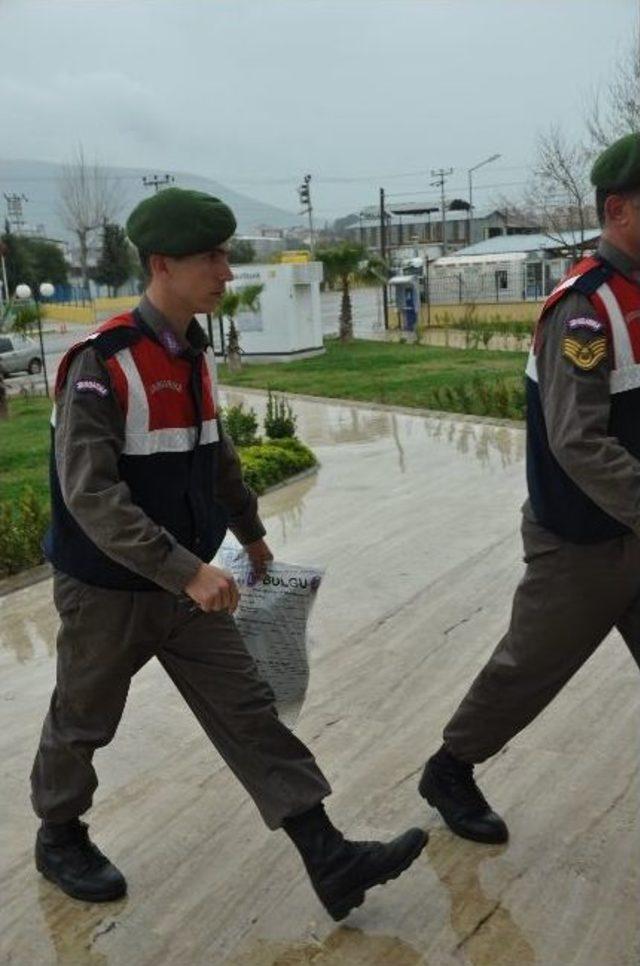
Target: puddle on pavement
x=74, y=928
x=344, y=947
x=28, y=623
x=486, y=932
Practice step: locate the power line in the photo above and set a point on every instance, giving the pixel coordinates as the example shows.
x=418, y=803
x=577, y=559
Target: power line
x=288, y=179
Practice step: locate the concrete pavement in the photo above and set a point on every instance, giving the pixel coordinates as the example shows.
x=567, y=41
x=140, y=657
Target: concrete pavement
x=416, y=520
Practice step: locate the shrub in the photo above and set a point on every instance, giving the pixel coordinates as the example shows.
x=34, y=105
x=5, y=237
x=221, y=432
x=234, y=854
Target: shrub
x=274, y=461
x=25, y=318
x=22, y=526
x=279, y=421
x=241, y=425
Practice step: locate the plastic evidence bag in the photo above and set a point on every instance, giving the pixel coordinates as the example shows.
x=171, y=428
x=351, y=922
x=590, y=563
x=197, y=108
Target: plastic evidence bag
x=272, y=617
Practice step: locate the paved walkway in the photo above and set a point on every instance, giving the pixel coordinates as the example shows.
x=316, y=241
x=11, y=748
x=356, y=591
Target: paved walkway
x=416, y=520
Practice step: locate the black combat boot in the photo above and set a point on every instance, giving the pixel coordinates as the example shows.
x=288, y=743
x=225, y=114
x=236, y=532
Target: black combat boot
x=66, y=856
x=448, y=785
x=341, y=871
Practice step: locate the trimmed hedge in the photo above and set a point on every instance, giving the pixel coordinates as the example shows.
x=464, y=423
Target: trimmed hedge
x=274, y=461
x=22, y=526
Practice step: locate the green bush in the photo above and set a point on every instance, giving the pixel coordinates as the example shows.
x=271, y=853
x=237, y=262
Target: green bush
x=481, y=398
x=279, y=421
x=241, y=425
x=22, y=525
x=25, y=318
x=274, y=461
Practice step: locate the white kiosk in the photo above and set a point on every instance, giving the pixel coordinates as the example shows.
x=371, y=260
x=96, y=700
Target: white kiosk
x=288, y=322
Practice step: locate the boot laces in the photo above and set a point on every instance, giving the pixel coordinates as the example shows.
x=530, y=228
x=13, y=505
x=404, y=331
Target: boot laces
x=463, y=787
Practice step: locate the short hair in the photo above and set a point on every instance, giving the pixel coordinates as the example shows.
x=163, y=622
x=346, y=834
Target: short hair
x=145, y=263
x=601, y=196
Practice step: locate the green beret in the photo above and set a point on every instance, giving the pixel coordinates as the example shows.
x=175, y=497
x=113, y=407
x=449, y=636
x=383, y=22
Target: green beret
x=178, y=221
x=618, y=167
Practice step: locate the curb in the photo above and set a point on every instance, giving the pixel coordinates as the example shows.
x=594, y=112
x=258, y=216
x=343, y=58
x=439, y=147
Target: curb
x=26, y=578
x=380, y=407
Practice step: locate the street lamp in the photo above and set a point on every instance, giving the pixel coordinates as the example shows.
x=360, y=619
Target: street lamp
x=45, y=291
x=494, y=157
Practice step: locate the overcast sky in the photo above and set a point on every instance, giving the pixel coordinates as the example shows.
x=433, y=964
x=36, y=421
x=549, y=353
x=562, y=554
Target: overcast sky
x=255, y=93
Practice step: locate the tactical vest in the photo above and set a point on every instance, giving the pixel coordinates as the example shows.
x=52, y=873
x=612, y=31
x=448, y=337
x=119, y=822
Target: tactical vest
x=558, y=503
x=170, y=454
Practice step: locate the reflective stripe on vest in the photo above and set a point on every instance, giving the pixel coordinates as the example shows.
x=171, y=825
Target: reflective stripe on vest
x=154, y=391
x=140, y=439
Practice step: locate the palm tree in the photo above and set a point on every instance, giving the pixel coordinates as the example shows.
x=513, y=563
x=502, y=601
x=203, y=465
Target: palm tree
x=231, y=302
x=342, y=264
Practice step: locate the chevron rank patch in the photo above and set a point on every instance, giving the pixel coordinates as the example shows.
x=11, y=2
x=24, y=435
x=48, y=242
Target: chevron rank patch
x=584, y=355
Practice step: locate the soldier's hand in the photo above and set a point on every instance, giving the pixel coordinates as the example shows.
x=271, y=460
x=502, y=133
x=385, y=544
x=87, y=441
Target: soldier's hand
x=259, y=555
x=213, y=589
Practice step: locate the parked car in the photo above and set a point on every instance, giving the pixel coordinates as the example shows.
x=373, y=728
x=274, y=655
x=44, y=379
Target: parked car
x=19, y=353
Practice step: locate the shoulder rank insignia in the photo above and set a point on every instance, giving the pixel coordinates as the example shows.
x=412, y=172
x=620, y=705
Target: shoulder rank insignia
x=590, y=325
x=584, y=355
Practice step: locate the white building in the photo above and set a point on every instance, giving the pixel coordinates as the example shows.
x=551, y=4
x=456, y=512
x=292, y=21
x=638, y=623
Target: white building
x=288, y=323
x=510, y=268
x=416, y=230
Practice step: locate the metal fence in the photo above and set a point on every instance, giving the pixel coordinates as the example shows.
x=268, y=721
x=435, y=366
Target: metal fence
x=519, y=282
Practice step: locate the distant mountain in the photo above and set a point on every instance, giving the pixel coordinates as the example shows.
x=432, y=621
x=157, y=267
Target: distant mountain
x=38, y=181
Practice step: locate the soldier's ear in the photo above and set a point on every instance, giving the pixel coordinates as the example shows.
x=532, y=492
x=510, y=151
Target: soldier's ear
x=158, y=265
x=616, y=209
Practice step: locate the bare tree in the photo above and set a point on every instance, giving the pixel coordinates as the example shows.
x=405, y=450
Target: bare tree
x=560, y=190
x=517, y=212
x=88, y=198
x=616, y=110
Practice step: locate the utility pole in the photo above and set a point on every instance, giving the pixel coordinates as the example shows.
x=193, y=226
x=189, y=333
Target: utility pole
x=14, y=211
x=441, y=175
x=383, y=258
x=494, y=157
x=158, y=182
x=5, y=285
x=304, y=191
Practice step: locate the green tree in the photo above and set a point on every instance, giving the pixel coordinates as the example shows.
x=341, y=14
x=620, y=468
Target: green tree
x=18, y=260
x=33, y=260
x=48, y=261
x=247, y=297
x=343, y=263
x=241, y=252
x=115, y=264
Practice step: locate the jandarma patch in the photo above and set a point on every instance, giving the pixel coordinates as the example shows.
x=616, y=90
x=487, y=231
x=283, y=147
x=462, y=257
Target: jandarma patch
x=91, y=385
x=589, y=325
x=584, y=355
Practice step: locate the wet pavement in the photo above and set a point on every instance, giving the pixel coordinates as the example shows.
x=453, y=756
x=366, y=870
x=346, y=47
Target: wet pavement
x=416, y=520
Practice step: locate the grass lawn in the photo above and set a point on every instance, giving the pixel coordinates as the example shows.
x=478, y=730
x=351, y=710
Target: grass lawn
x=24, y=449
x=394, y=373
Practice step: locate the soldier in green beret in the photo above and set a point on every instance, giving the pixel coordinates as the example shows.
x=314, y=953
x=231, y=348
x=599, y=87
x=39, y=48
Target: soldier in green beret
x=145, y=484
x=581, y=522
